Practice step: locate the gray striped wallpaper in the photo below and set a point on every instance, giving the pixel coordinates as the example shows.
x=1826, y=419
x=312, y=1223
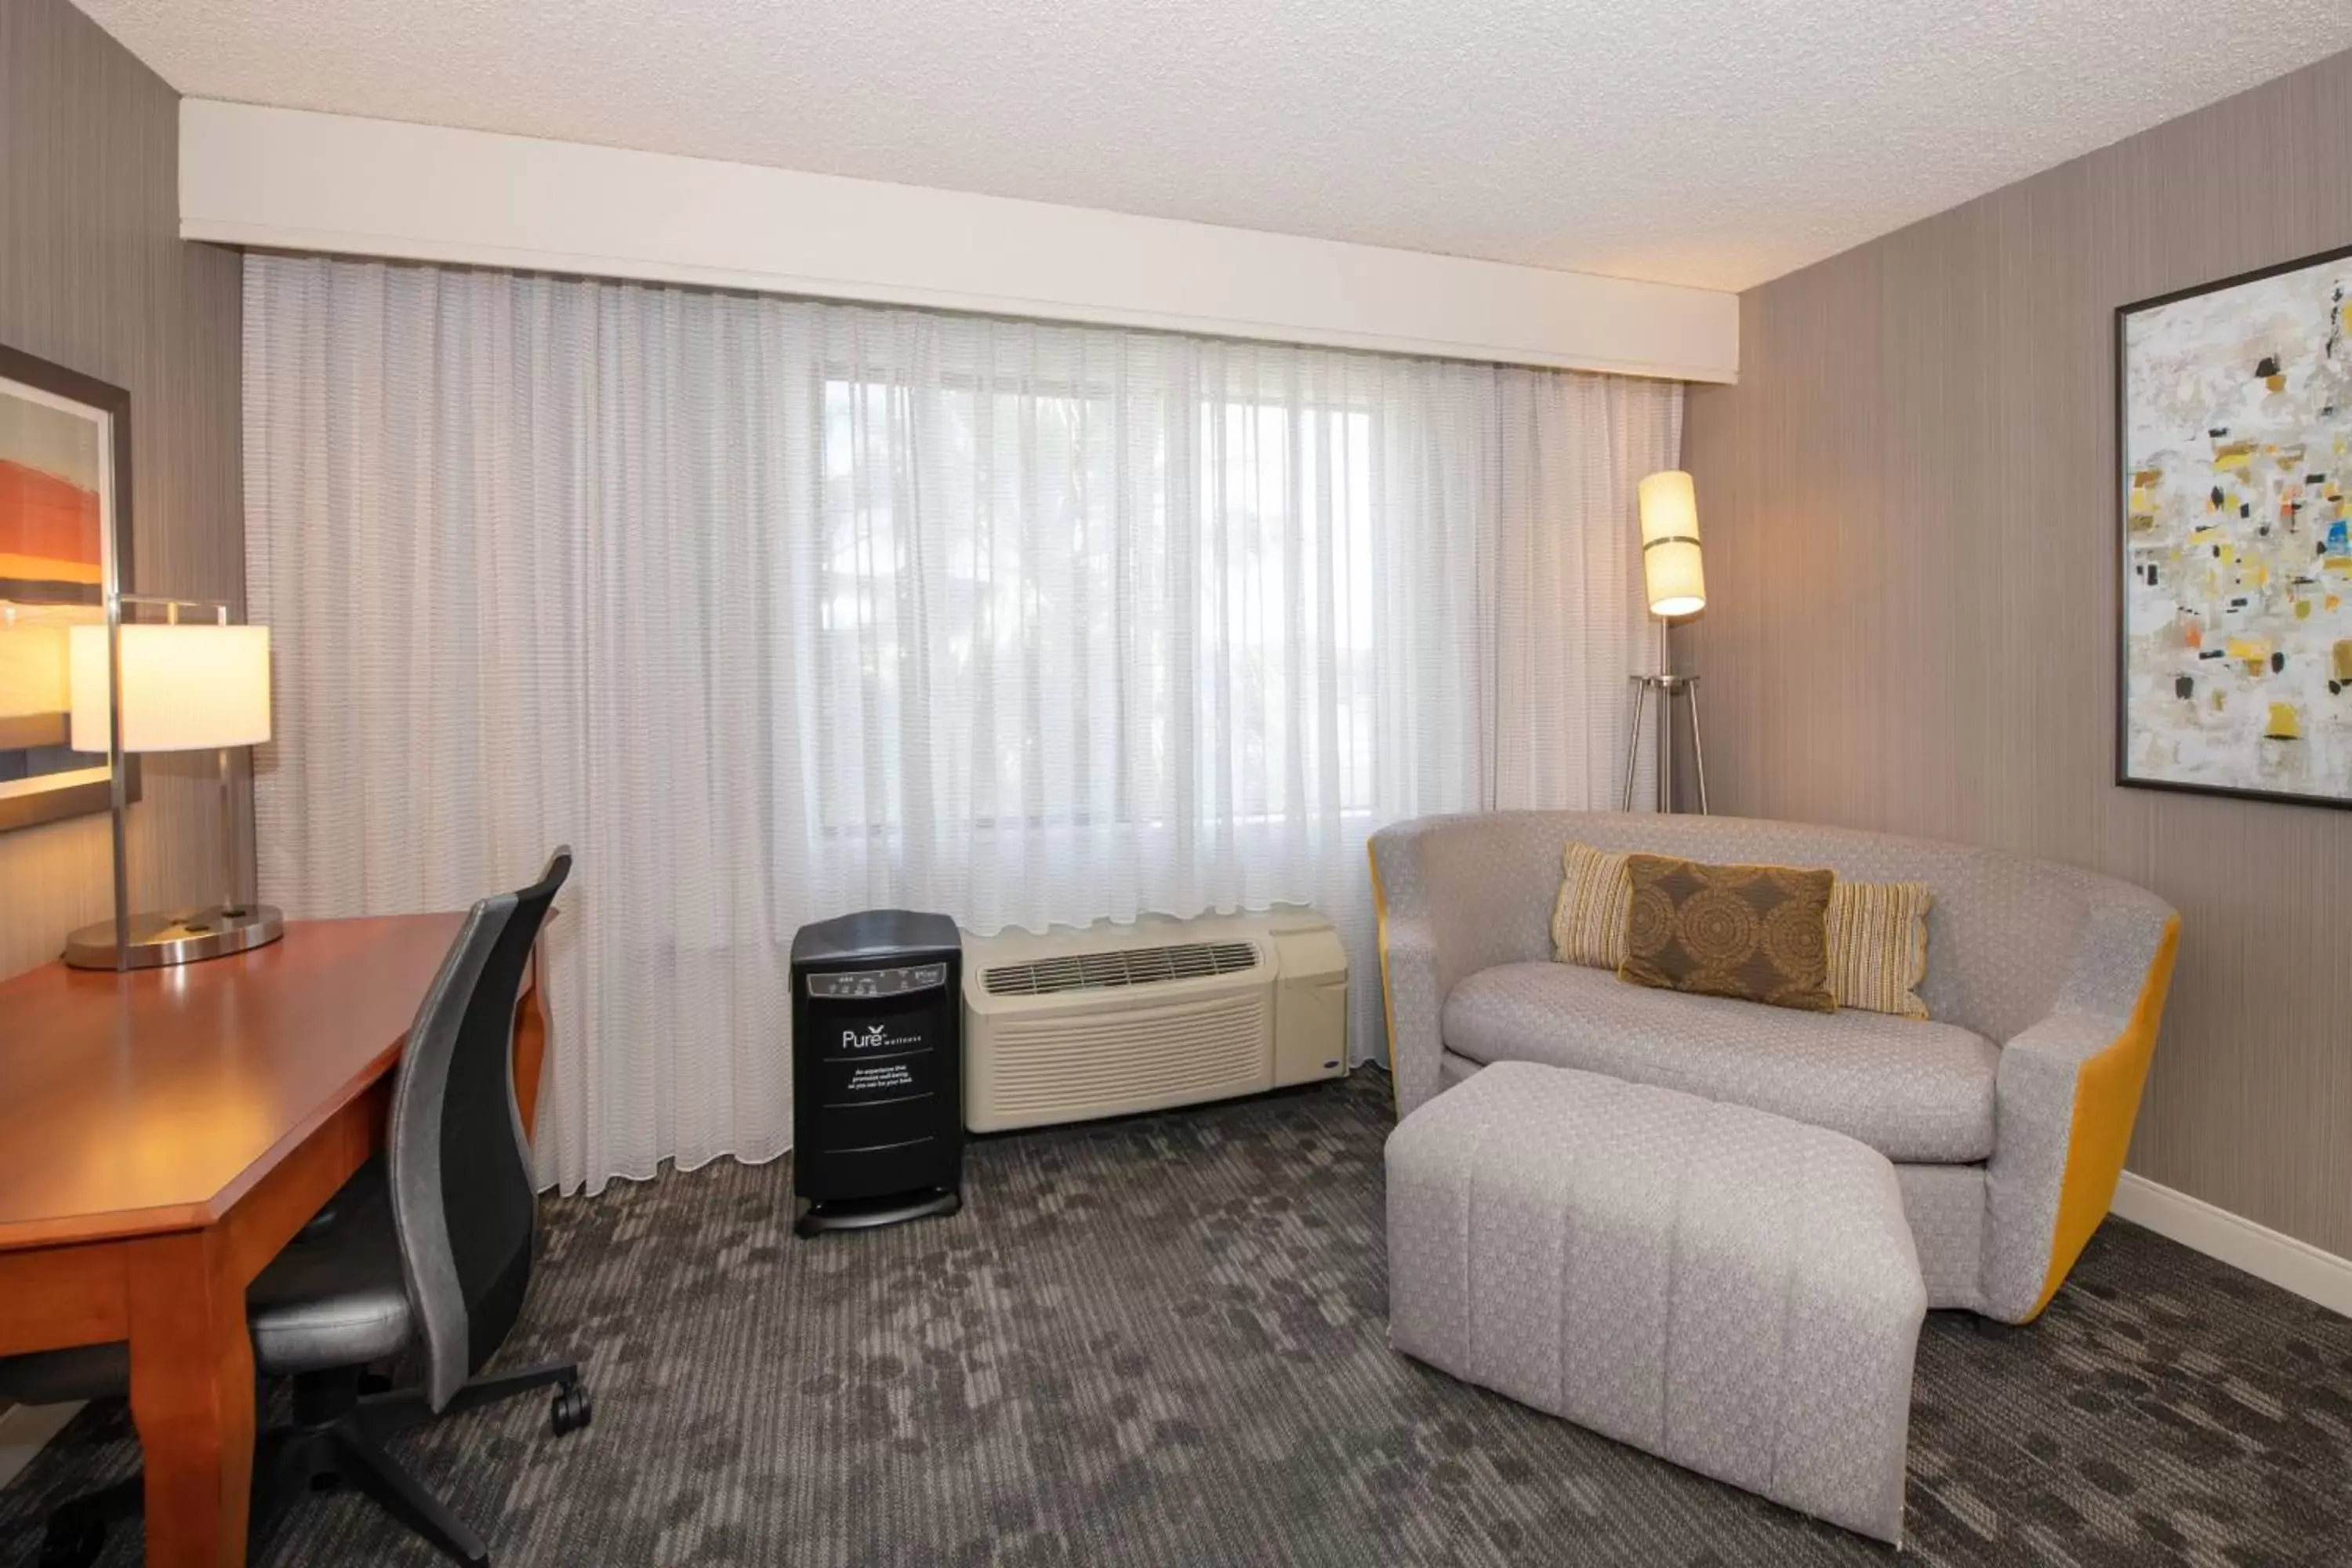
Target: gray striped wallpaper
x=1908, y=504
x=93, y=275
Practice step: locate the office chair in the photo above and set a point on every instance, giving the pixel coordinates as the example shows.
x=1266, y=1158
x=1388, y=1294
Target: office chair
x=431, y=1246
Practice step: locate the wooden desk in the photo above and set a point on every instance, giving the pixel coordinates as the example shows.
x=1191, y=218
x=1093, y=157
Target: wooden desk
x=161, y=1135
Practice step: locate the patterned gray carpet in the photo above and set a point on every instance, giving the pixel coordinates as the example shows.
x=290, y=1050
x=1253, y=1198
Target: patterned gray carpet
x=1160, y=1341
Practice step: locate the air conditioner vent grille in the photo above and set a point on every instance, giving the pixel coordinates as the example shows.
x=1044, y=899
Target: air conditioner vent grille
x=1120, y=966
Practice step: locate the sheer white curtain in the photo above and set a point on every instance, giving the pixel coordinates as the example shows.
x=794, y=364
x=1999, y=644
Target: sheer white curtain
x=776, y=609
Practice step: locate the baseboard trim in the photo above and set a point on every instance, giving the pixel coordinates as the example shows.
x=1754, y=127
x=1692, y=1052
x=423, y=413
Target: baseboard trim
x=26, y=1430
x=2264, y=1253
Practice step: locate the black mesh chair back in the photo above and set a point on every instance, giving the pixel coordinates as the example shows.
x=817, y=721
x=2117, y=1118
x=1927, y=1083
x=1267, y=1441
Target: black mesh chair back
x=462, y=1195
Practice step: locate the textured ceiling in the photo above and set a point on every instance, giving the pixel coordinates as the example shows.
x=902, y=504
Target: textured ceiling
x=1710, y=142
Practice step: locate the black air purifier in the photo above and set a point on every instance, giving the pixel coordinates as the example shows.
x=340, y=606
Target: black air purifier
x=878, y=1070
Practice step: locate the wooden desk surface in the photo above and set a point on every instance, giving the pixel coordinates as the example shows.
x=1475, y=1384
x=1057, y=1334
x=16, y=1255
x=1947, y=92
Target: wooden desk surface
x=133, y=1104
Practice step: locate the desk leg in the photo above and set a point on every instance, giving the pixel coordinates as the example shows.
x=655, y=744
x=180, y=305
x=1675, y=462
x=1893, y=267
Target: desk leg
x=191, y=1396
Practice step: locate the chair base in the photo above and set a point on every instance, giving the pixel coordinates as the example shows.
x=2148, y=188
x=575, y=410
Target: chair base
x=337, y=1438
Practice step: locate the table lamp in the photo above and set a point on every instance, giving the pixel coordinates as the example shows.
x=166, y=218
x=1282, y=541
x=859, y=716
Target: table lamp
x=1673, y=578
x=173, y=688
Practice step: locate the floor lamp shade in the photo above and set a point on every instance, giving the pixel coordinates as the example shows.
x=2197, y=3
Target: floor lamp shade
x=189, y=688
x=1671, y=566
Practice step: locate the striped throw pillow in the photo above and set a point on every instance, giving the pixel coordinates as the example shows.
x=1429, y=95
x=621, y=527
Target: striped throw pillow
x=1588, y=920
x=1878, y=945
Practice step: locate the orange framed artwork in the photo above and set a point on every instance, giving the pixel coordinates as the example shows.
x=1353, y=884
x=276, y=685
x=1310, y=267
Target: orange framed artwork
x=65, y=543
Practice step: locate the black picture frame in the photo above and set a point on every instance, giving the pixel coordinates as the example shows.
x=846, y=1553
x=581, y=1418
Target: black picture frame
x=113, y=404
x=2119, y=522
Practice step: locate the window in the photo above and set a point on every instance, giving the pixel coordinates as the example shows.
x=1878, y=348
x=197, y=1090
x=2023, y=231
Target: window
x=1101, y=633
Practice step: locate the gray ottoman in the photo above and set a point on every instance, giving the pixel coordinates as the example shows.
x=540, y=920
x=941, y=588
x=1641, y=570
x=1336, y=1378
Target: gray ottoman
x=1724, y=1288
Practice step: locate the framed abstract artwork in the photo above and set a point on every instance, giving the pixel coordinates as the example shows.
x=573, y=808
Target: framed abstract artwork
x=64, y=544
x=2234, y=430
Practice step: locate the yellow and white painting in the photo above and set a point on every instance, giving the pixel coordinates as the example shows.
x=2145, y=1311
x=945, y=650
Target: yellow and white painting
x=2237, y=432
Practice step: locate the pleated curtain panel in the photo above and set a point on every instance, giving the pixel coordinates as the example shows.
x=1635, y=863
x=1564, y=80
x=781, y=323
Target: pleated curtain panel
x=775, y=609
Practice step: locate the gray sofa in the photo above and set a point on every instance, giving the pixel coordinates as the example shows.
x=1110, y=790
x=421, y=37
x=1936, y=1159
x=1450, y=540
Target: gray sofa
x=2006, y=1117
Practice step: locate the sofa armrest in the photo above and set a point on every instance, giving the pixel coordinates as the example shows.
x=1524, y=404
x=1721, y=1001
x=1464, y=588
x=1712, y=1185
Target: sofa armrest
x=1454, y=895
x=2066, y=1096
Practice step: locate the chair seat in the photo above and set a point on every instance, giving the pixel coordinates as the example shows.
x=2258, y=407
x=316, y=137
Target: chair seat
x=336, y=1297
x=1913, y=1091
x=333, y=1296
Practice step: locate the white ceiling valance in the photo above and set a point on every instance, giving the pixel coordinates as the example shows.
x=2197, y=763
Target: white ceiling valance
x=292, y=180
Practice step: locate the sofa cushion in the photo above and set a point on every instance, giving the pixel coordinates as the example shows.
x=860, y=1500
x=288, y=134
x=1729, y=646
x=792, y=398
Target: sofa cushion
x=1878, y=945
x=1912, y=1091
x=1758, y=933
x=1588, y=919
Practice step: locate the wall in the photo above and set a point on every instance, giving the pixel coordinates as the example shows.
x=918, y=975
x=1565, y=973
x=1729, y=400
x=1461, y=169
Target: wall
x=1909, y=509
x=93, y=275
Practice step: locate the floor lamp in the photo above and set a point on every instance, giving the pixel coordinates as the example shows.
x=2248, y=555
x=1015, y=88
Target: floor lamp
x=1675, y=585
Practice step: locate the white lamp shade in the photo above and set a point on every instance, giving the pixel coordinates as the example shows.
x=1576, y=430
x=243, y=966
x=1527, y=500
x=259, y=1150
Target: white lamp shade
x=32, y=671
x=193, y=688
x=1670, y=553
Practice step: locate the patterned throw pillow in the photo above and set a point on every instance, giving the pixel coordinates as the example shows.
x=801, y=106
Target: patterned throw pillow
x=1757, y=933
x=1588, y=920
x=1878, y=946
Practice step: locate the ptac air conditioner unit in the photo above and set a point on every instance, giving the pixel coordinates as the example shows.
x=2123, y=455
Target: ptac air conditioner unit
x=1120, y=1018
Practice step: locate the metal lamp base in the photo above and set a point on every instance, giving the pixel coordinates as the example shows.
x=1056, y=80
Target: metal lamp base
x=176, y=936
x=1668, y=687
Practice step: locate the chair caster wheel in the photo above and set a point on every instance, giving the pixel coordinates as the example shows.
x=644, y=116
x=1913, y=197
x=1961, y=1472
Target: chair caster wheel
x=72, y=1542
x=571, y=1409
